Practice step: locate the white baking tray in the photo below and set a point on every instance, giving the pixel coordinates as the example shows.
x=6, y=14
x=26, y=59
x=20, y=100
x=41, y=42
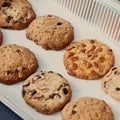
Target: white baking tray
x=53, y=61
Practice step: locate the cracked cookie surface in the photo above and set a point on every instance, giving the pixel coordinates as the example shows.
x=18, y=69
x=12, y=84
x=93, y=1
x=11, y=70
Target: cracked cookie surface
x=16, y=63
x=16, y=14
x=50, y=32
x=46, y=91
x=88, y=59
x=111, y=83
x=87, y=108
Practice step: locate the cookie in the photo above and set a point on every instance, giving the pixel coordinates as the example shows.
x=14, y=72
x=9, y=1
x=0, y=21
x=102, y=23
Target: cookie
x=16, y=14
x=111, y=83
x=87, y=108
x=16, y=63
x=46, y=91
x=50, y=32
x=1, y=38
x=88, y=59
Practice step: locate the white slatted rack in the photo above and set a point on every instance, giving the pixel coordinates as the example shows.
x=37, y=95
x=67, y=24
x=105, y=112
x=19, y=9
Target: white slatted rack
x=96, y=12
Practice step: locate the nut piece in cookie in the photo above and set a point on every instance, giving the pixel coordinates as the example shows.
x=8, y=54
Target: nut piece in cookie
x=16, y=14
x=50, y=32
x=87, y=108
x=111, y=83
x=47, y=92
x=1, y=37
x=88, y=59
x=16, y=63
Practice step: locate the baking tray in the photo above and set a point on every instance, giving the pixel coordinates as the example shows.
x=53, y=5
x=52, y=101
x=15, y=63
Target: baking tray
x=53, y=61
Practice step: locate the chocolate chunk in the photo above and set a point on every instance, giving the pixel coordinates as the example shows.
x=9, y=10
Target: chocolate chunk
x=49, y=15
x=60, y=75
x=23, y=92
x=65, y=91
x=40, y=97
x=117, y=88
x=114, y=68
x=59, y=88
x=9, y=72
x=8, y=19
x=50, y=71
x=18, y=51
x=42, y=73
x=73, y=111
x=33, y=92
x=105, y=84
x=26, y=84
x=63, y=85
x=110, y=50
x=6, y=4
x=59, y=23
x=53, y=95
x=36, y=78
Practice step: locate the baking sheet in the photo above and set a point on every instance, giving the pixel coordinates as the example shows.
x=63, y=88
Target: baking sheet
x=53, y=61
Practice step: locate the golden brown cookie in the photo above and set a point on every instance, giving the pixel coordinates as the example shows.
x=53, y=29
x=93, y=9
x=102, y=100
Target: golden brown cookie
x=16, y=63
x=88, y=59
x=16, y=14
x=1, y=37
x=87, y=108
x=51, y=32
x=111, y=83
x=46, y=91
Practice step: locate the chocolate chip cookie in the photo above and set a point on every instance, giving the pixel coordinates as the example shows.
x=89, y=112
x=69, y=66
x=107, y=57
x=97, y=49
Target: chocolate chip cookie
x=50, y=32
x=16, y=14
x=88, y=59
x=111, y=83
x=46, y=91
x=87, y=108
x=16, y=63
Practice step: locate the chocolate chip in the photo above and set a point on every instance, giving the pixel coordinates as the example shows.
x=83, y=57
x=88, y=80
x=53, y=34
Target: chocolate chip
x=6, y=4
x=65, y=91
x=73, y=111
x=23, y=92
x=50, y=71
x=110, y=50
x=26, y=84
x=42, y=73
x=9, y=72
x=59, y=23
x=18, y=51
x=117, y=88
x=33, y=92
x=8, y=19
x=40, y=97
x=114, y=68
x=36, y=77
x=49, y=15
x=60, y=75
x=53, y=95
x=105, y=84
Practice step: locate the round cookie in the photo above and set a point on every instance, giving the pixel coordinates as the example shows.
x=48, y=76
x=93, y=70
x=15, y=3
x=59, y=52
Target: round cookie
x=46, y=91
x=87, y=108
x=16, y=63
x=111, y=83
x=50, y=32
x=16, y=14
x=1, y=38
x=88, y=59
